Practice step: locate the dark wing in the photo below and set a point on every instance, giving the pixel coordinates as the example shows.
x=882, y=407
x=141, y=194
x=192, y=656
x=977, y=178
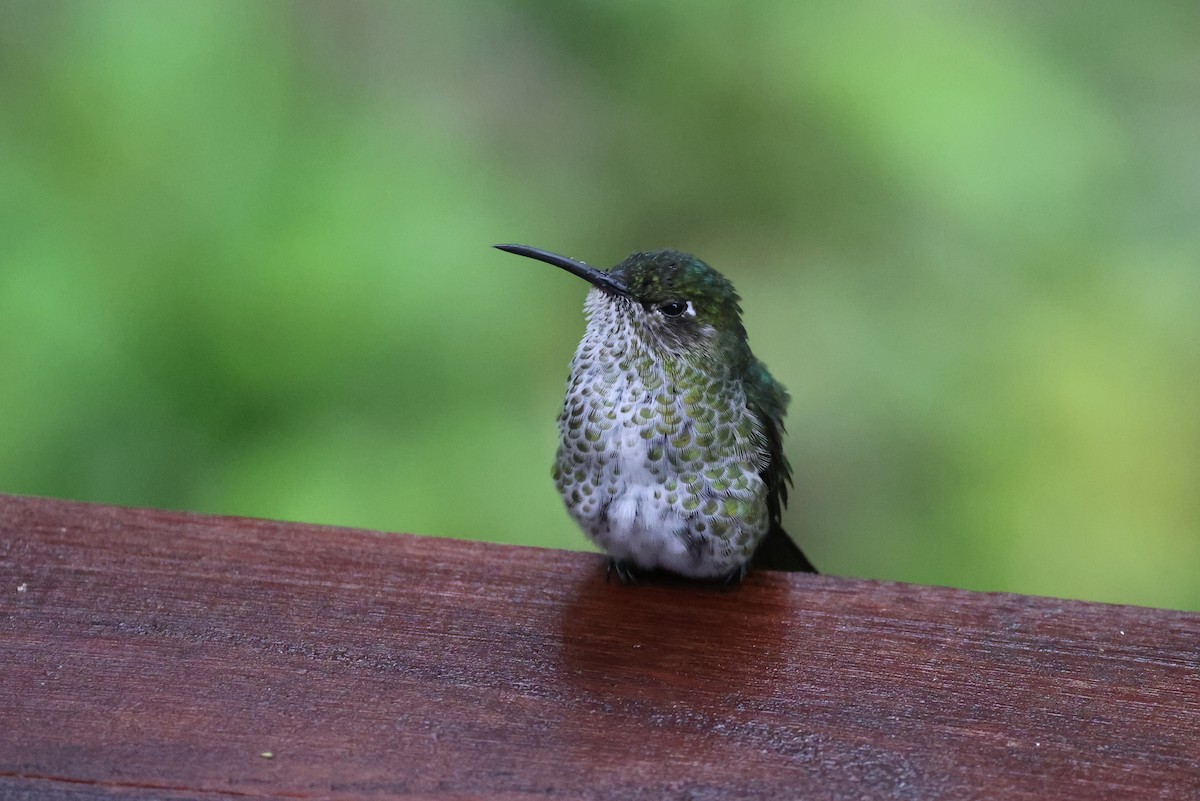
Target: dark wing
x=767, y=398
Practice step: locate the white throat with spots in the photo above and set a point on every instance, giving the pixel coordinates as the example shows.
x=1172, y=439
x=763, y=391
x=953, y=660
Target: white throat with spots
x=659, y=457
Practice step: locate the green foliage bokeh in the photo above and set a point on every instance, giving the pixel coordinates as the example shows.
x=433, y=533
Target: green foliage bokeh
x=245, y=263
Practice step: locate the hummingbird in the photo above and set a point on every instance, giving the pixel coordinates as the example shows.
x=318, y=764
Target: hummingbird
x=670, y=455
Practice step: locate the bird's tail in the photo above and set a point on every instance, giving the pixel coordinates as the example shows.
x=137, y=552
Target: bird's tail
x=778, y=551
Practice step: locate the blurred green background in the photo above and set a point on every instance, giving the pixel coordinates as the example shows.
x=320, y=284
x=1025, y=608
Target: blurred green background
x=245, y=262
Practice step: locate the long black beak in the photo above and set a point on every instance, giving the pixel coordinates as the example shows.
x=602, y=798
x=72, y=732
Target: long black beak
x=595, y=277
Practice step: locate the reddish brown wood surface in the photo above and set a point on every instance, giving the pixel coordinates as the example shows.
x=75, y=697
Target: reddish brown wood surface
x=148, y=654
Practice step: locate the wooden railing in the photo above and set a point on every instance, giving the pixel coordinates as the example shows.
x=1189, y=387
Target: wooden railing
x=148, y=654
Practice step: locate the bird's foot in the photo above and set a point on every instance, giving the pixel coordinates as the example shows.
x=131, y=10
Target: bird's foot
x=733, y=578
x=626, y=572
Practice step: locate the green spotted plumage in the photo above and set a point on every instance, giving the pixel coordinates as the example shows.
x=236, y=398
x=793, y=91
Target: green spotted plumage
x=671, y=454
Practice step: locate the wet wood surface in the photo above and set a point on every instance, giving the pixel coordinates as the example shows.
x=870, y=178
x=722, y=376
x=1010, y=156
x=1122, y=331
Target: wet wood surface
x=148, y=654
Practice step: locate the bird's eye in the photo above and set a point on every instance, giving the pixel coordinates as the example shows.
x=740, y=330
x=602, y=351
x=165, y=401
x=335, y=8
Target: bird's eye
x=673, y=308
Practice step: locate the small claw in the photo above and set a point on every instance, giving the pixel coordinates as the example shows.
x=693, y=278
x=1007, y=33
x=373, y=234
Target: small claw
x=735, y=576
x=625, y=571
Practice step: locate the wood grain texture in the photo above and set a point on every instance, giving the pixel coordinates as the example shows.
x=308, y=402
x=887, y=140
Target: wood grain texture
x=148, y=654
